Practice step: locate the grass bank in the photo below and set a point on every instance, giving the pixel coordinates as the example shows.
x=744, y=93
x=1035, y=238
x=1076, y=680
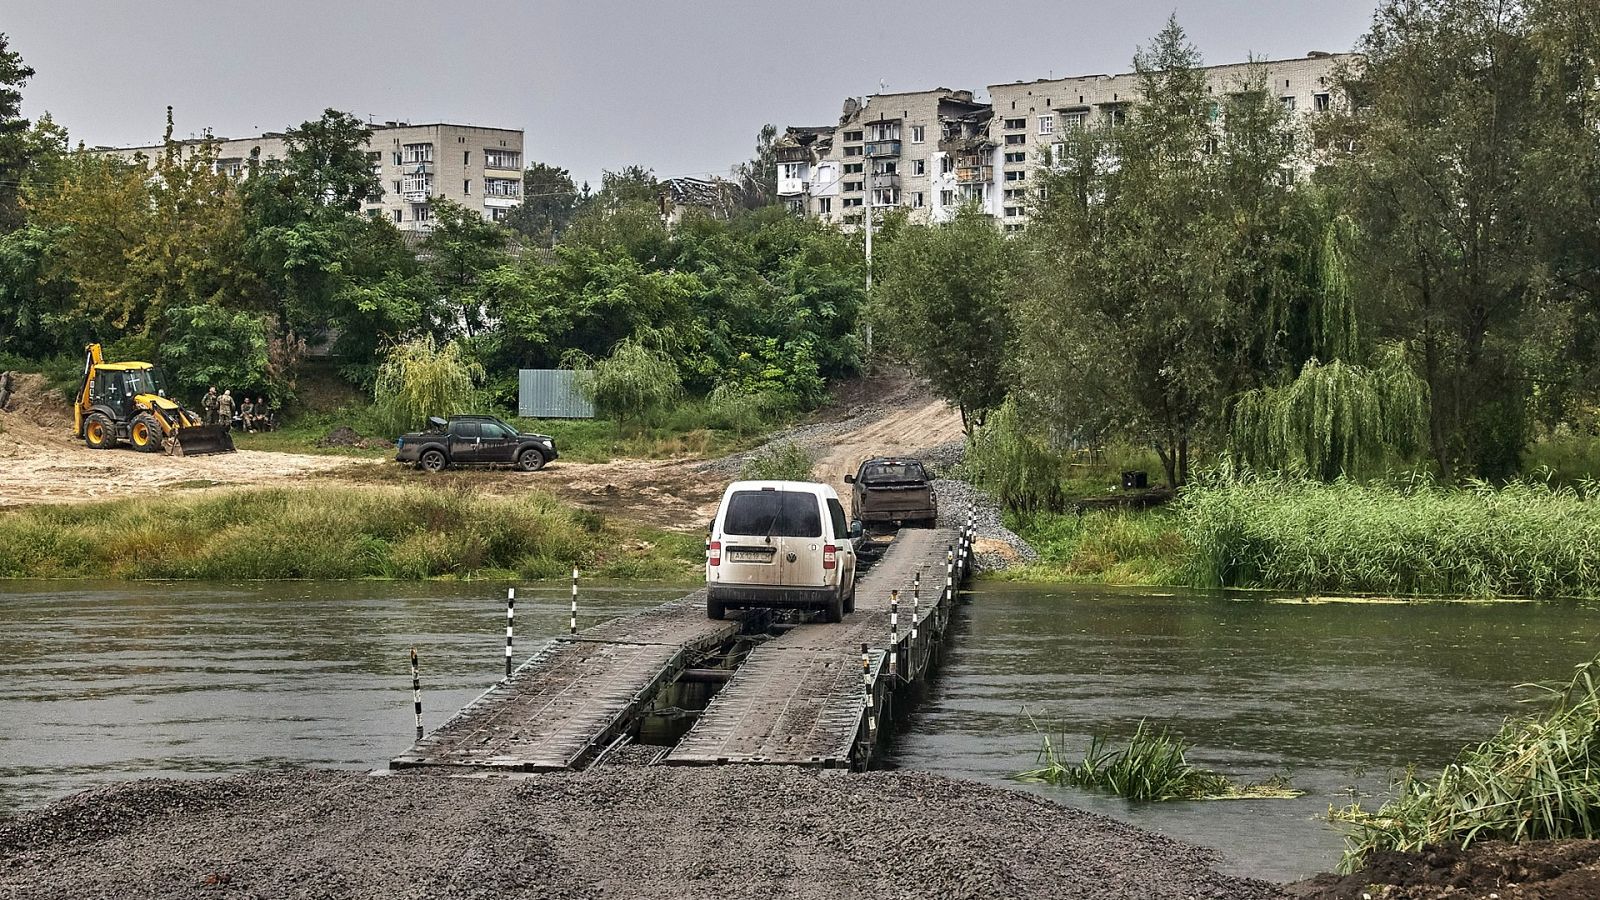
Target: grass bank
x=335, y=533
x=1520, y=540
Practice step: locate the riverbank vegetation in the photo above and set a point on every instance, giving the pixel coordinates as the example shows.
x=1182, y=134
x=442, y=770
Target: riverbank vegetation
x=1535, y=779
x=334, y=532
x=1153, y=767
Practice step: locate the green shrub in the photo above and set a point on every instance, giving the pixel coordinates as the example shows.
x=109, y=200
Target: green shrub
x=1119, y=546
x=780, y=462
x=1538, y=778
x=1014, y=464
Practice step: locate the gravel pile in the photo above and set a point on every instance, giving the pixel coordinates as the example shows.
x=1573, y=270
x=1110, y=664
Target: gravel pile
x=626, y=832
x=1005, y=547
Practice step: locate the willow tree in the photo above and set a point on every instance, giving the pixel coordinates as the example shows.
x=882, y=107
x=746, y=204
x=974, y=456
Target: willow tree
x=421, y=378
x=1334, y=419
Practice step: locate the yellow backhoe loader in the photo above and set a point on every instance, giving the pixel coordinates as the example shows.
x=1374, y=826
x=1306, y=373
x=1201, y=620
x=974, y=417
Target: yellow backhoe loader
x=127, y=401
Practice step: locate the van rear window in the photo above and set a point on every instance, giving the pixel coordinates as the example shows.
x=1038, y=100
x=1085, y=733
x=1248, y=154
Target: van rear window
x=778, y=513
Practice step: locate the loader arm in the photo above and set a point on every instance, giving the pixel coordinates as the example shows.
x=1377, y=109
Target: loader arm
x=91, y=359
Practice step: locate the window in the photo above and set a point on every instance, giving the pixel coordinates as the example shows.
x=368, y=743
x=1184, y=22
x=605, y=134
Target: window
x=853, y=168
x=918, y=133
x=887, y=168
x=1016, y=124
x=417, y=184
x=1013, y=211
x=919, y=167
x=1017, y=156
x=466, y=157
x=397, y=187
x=397, y=159
x=1015, y=140
x=421, y=213
x=916, y=198
x=824, y=205
x=1016, y=193
x=501, y=187
x=397, y=215
x=886, y=132
x=1073, y=121
x=946, y=165
x=1013, y=227
x=1288, y=103
x=852, y=135
x=1017, y=176
x=499, y=213
x=852, y=185
x=852, y=151
x=1047, y=124
x=851, y=201
x=417, y=153
x=774, y=513
x=1214, y=112
x=501, y=159
x=466, y=186
x=947, y=198
x=1321, y=102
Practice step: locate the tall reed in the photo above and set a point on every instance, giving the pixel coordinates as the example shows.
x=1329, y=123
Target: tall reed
x=1539, y=777
x=1153, y=767
x=1524, y=539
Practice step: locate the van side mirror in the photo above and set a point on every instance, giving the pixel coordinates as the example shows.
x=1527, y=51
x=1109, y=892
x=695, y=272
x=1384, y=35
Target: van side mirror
x=849, y=479
x=857, y=529
x=711, y=526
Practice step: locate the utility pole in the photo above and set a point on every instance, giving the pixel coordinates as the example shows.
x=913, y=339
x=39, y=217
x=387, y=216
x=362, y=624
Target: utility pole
x=868, y=223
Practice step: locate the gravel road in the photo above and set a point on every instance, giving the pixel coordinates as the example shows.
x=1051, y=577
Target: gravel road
x=724, y=832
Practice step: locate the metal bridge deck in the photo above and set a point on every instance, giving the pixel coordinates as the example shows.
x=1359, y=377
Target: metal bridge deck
x=799, y=699
x=576, y=694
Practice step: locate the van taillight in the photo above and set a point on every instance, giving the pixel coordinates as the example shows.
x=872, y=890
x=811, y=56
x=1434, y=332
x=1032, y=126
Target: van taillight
x=830, y=556
x=714, y=553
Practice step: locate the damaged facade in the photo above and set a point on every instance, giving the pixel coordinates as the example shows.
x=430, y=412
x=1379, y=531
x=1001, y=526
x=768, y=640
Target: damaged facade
x=716, y=197
x=930, y=152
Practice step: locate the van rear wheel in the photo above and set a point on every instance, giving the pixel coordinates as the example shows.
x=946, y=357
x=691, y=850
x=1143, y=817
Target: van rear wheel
x=834, y=611
x=716, y=609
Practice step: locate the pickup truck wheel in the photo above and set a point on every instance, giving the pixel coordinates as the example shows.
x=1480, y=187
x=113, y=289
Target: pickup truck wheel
x=530, y=460
x=432, y=461
x=715, y=609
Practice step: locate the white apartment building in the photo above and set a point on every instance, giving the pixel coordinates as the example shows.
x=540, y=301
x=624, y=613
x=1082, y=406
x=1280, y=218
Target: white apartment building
x=477, y=167
x=932, y=151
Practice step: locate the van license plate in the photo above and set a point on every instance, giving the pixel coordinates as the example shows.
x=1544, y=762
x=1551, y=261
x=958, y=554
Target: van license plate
x=750, y=556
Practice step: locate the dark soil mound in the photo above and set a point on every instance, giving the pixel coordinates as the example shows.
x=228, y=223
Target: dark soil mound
x=1539, y=870
x=344, y=436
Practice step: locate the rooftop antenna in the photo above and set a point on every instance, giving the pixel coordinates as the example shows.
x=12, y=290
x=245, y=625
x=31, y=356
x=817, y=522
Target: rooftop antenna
x=883, y=86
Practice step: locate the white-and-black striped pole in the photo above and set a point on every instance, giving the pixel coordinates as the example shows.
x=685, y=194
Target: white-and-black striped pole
x=416, y=691
x=916, y=605
x=949, y=573
x=866, y=673
x=572, y=626
x=511, y=620
x=894, y=632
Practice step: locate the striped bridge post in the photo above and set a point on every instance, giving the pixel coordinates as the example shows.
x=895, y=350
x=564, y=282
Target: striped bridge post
x=416, y=691
x=572, y=626
x=511, y=618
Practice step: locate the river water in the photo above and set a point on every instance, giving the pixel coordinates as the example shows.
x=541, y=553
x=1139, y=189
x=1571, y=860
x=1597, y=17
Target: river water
x=103, y=683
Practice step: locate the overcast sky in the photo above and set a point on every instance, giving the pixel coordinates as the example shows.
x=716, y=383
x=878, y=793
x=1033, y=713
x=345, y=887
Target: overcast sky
x=680, y=87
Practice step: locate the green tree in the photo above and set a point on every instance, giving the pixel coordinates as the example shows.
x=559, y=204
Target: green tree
x=1443, y=190
x=1136, y=323
x=943, y=298
x=548, y=201
x=14, y=144
x=209, y=345
x=462, y=248
x=421, y=378
x=758, y=178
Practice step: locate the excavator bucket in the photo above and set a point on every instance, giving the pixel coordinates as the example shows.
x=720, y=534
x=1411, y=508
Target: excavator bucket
x=198, y=440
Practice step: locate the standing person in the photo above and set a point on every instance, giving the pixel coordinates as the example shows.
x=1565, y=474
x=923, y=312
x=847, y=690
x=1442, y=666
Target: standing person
x=209, y=404
x=247, y=415
x=225, y=410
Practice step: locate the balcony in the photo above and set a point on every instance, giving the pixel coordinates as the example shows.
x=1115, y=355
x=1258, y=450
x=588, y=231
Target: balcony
x=414, y=196
x=417, y=168
x=788, y=187
x=974, y=174
x=500, y=202
x=886, y=179
x=878, y=149
x=791, y=154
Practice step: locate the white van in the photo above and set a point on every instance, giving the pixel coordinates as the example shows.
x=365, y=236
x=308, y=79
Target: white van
x=781, y=545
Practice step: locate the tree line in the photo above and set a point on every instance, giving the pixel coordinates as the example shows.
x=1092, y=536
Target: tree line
x=1412, y=278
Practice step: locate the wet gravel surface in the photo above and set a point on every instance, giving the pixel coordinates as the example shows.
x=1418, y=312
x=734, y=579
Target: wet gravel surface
x=625, y=832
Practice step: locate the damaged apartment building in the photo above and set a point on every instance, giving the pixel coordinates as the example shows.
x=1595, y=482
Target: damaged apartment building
x=931, y=152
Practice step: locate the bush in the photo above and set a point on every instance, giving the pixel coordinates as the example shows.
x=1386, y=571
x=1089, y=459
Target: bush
x=420, y=378
x=780, y=462
x=1015, y=465
x=1153, y=767
x=1104, y=545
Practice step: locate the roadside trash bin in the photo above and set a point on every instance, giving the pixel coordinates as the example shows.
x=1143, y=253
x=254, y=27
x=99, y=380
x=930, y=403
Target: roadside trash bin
x=1135, y=481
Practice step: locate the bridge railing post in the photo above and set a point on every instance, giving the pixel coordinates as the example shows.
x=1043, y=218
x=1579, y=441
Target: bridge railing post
x=894, y=633
x=416, y=691
x=511, y=617
x=572, y=625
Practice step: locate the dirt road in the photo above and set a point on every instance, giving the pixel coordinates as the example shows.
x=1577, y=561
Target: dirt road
x=41, y=462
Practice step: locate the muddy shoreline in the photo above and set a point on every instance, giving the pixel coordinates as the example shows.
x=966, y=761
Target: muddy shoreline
x=613, y=832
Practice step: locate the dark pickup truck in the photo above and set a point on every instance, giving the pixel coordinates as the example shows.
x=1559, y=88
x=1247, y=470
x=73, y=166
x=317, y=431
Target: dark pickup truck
x=892, y=492
x=474, y=440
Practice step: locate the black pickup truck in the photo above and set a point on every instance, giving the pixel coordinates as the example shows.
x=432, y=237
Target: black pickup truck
x=890, y=492
x=474, y=440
